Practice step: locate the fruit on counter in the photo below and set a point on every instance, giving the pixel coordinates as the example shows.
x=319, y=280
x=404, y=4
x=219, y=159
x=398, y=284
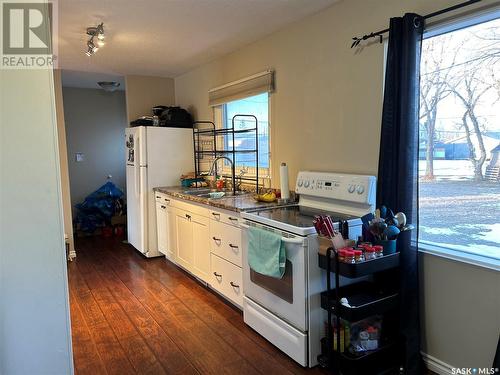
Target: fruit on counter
x=267, y=197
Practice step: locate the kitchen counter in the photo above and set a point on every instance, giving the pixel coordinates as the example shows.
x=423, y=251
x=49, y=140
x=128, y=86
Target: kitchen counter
x=243, y=202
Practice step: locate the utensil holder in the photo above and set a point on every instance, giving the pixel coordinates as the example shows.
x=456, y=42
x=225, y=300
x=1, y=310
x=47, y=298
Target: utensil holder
x=389, y=246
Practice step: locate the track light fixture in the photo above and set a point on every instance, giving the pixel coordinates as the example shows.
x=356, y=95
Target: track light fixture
x=98, y=33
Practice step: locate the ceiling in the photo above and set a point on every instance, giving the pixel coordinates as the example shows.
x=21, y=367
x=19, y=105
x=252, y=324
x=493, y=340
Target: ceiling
x=169, y=37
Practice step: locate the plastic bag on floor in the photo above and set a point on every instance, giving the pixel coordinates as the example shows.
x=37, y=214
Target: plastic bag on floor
x=98, y=208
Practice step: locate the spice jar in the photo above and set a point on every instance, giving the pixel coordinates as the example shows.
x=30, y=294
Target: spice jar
x=349, y=257
x=369, y=253
x=358, y=256
x=341, y=255
x=379, y=251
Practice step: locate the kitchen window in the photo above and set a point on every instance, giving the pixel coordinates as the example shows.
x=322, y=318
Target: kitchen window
x=459, y=143
x=247, y=96
x=257, y=106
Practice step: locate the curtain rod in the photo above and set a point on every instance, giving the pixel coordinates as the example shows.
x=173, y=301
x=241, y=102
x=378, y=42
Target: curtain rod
x=358, y=40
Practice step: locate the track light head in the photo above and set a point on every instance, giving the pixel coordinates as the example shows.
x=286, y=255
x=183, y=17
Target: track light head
x=97, y=31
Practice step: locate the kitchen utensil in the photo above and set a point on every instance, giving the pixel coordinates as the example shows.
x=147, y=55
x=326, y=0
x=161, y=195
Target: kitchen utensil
x=377, y=228
x=389, y=214
x=383, y=212
x=401, y=217
x=366, y=219
x=391, y=232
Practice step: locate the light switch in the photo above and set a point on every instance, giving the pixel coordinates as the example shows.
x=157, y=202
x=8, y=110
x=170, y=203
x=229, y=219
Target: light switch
x=79, y=156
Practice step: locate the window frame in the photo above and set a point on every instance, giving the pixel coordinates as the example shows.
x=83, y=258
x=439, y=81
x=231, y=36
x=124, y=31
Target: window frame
x=435, y=29
x=219, y=117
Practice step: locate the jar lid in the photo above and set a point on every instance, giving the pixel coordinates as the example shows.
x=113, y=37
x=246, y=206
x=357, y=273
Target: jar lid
x=378, y=247
x=369, y=249
x=358, y=252
x=349, y=253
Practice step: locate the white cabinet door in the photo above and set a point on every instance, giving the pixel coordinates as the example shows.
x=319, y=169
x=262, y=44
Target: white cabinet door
x=162, y=227
x=184, y=234
x=201, y=246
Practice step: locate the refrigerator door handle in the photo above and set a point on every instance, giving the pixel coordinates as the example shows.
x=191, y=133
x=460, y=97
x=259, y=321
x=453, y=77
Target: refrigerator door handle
x=137, y=171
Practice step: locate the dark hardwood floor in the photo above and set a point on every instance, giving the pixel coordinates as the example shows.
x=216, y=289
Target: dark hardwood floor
x=131, y=315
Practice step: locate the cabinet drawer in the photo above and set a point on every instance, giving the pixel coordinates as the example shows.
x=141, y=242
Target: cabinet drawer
x=225, y=241
x=227, y=279
x=228, y=217
x=162, y=198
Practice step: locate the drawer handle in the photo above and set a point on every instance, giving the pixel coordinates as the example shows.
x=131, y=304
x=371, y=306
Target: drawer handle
x=188, y=216
x=216, y=239
x=234, y=285
x=167, y=200
x=233, y=218
x=217, y=275
x=163, y=207
x=157, y=197
x=215, y=214
x=233, y=246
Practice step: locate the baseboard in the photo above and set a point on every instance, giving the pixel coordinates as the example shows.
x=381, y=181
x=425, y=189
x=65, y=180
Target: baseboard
x=435, y=365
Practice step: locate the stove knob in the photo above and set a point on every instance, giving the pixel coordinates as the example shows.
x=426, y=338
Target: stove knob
x=360, y=189
x=300, y=183
x=306, y=183
x=351, y=188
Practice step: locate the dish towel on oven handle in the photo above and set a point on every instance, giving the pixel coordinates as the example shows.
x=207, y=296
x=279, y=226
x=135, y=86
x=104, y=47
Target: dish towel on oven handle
x=266, y=252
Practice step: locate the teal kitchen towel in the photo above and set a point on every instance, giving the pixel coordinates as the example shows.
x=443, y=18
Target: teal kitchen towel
x=266, y=252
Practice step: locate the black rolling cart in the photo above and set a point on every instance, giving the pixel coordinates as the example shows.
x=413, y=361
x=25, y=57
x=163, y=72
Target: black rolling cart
x=378, y=297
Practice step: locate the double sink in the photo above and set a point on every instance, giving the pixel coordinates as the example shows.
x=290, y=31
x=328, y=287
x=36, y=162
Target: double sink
x=212, y=193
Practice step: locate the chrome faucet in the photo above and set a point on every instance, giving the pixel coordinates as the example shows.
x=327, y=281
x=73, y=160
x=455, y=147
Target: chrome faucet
x=213, y=170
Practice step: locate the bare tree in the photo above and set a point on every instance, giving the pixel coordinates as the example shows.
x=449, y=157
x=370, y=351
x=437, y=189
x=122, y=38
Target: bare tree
x=489, y=54
x=434, y=87
x=469, y=91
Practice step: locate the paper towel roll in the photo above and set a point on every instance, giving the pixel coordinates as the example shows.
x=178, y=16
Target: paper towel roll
x=285, y=191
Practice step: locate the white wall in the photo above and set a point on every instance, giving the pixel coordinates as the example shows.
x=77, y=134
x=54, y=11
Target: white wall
x=460, y=311
x=95, y=125
x=34, y=314
x=326, y=115
x=145, y=92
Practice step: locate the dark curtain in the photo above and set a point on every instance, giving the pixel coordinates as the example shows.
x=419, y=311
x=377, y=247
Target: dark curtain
x=398, y=167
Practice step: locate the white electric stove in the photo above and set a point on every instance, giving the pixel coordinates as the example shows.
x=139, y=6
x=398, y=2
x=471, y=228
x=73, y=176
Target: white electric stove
x=287, y=311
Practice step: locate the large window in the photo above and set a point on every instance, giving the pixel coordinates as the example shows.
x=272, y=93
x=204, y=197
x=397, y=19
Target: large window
x=257, y=106
x=459, y=163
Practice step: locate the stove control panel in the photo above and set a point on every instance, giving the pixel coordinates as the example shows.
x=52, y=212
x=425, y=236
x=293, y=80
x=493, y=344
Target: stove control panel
x=339, y=186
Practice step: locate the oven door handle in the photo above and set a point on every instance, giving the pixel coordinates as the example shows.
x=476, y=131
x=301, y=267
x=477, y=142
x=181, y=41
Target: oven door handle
x=294, y=240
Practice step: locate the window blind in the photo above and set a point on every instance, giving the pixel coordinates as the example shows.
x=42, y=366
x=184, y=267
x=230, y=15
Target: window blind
x=242, y=88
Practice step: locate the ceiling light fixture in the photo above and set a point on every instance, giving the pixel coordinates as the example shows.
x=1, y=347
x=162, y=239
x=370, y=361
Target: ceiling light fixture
x=109, y=86
x=95, y=32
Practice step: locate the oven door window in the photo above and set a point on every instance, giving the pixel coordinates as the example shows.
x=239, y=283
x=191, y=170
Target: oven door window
x=282, y=288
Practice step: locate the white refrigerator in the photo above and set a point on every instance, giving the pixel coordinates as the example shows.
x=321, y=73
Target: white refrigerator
x=155, y=156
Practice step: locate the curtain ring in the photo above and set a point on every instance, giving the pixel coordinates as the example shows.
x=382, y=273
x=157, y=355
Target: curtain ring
x=417, y=21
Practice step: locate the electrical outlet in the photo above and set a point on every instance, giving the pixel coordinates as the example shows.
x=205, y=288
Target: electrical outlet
x=79, y=157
